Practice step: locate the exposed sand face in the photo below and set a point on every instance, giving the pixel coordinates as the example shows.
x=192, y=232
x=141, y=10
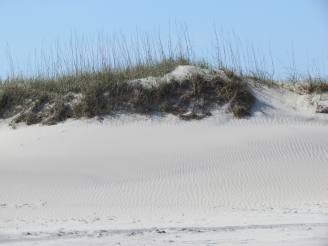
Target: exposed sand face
x=259, y=180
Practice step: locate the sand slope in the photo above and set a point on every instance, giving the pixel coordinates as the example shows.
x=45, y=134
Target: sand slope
x=133, y=180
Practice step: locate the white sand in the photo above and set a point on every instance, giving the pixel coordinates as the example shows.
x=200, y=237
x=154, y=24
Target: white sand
x=258, y=181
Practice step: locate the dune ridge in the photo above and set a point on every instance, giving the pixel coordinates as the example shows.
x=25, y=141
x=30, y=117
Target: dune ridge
x=134, y=179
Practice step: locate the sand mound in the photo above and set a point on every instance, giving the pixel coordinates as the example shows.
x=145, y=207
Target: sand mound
x=135, y=179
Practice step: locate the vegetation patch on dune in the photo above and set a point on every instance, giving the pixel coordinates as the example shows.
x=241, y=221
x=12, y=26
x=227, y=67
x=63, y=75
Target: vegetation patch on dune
x=110, y=92
x=316, y=85
x=147, y=78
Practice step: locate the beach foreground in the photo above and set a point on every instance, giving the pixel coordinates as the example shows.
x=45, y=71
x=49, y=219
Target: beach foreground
x=136, y=180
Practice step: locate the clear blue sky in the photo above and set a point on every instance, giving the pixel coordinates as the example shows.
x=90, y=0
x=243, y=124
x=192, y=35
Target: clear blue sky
x=284, y=26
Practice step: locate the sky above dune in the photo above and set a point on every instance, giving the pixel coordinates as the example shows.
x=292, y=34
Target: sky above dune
x=293, y=32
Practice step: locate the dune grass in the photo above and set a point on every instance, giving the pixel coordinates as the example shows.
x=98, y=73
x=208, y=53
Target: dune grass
x=95, y=83
x=32, y=95
x=315, y=85
x=108, y=92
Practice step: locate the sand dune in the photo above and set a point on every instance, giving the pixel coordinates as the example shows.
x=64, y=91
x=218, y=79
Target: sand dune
x=134, y=179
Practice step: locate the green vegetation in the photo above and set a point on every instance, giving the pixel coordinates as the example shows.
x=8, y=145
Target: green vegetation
x=98, y=85
x=110, y=92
